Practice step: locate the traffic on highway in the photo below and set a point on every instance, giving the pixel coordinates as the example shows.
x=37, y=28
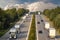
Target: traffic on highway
x=21, y=30
x=29, y=19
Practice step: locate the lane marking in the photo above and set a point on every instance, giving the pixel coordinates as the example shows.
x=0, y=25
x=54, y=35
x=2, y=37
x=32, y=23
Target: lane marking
x=29, y=29
x=36, y=26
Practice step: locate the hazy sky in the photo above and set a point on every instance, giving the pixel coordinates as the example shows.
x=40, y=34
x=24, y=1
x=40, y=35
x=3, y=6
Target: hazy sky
x=3, y=3
x=32, y=5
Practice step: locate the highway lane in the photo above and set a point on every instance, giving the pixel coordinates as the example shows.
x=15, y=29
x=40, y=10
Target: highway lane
x=44, y=34
x=24, y=30
x=6, y=35
x=57, y=36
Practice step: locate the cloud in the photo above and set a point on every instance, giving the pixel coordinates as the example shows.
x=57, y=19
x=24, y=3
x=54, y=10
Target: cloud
x=40, y=6
x=36, y=6
x=3, y=3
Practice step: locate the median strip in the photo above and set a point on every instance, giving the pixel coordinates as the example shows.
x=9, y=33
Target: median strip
x=32, y=33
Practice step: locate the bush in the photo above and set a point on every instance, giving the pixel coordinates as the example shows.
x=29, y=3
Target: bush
x=53, y=15
x=32, y=34
x=10, y=16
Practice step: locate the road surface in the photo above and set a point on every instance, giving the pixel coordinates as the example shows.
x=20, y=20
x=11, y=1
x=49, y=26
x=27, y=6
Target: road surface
x=40, y=27
x=57, y=36
x=24, y=27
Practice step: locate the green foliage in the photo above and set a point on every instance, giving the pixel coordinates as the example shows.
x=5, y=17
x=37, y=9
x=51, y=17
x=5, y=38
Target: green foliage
x=10, y=16
x=32, y=35
x=54, y=15
x=22, y=11
x=57, y=21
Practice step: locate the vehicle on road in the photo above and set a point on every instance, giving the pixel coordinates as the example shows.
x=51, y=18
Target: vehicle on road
x=12, y=33
x=27, y=14
x=17, y=26
x=41, y=20
x=38, y=22
x=40, y=31
x=24, y=17
x=47, y=25
x=52, y=32
x=39, y=13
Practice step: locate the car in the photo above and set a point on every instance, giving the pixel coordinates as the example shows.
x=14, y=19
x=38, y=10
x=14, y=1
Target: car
x=40, y=31
x=41, y=20
x=38, y=22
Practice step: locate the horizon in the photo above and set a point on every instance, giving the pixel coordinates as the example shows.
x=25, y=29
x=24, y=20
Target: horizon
x=32, y=4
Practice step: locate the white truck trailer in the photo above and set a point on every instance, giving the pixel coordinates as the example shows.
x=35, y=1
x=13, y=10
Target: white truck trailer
x=47, y=25
x=17, y=26
x=12, y=33
x=52, y=32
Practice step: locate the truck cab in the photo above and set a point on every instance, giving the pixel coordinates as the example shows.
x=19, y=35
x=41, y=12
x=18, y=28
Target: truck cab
x=17, y=27
x=47, y=25
x=12, y=33
x=26, y=14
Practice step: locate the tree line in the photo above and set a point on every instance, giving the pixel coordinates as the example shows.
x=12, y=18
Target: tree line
x=10, y=16
x=53, y=15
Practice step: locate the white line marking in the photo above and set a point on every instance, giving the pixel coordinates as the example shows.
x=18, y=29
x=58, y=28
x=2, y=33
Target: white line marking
x=29, y=29
x=36, y=27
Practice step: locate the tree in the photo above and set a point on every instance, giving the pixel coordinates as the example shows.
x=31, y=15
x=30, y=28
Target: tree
x=11, y=13
x=46, y=12
x=57, y=21
x=53, y=15
x=2, y=18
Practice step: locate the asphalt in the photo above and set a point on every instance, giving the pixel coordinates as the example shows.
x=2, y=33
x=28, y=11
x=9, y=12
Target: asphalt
x=57, y=35
x=24, y=27
x=40, y=27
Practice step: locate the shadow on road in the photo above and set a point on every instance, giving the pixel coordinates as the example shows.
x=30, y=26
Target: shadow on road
x=23, y=34
x=12, y=39
x=58, y=36
x=22, y=26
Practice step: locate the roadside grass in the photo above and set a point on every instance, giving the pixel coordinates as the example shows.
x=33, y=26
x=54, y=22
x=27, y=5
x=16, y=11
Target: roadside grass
x=3, y=31
x=32, y=34
x=52, y=25
x=46, y=18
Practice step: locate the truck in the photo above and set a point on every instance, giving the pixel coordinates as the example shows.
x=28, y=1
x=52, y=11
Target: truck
x=17, y=26
x=23, y=17
x=26, y=14
x=47, y=25
x=39, y=13
x=52, y=32
x=12, y=33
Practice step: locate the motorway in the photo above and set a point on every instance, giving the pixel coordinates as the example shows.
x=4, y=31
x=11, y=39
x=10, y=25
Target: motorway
x=57, y=35
x=24, y=27
x=40, y=27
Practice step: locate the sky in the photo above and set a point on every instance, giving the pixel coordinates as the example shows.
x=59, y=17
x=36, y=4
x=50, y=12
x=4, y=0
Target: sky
x=44, y=3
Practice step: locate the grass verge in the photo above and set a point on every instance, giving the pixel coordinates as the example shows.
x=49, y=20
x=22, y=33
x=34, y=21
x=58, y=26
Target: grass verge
x=52, y=25
x=32, y=34
x=2, y=32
